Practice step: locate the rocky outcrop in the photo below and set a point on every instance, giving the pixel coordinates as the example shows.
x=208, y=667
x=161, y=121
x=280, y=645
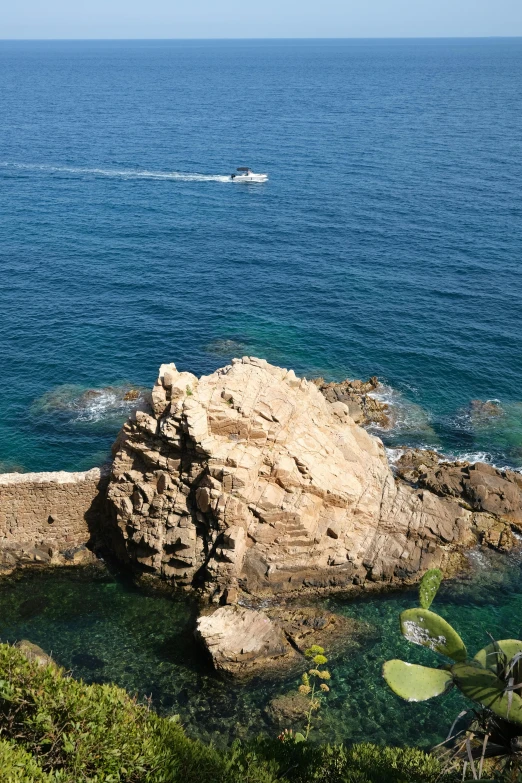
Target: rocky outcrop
x=240, y=640
x=357, y=395
x=249, y=480
x=243, y=640
x=49, y=518
x=493, y=496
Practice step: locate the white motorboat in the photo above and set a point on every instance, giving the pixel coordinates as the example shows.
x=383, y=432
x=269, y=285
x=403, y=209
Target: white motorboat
x=247, y=175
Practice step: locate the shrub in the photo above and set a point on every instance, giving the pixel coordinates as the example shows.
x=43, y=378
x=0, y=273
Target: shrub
x=301, y=762
x=18, y=766
x=97, y=733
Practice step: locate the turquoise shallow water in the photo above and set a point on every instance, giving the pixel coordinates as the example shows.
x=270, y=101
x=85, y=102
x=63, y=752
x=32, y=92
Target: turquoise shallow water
x=108, y=631
x=386, y=241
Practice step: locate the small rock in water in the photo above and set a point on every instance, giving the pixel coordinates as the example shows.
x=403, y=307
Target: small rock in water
x=132, y=394
x=240, y=640
x=226, y=347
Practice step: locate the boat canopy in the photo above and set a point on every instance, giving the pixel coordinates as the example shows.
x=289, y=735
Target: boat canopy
x=243, y=168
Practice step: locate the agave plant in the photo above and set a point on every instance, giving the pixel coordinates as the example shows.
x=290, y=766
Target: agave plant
x=491, y=679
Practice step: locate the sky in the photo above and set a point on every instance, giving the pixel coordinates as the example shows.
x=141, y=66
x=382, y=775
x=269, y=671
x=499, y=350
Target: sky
x=259, y=18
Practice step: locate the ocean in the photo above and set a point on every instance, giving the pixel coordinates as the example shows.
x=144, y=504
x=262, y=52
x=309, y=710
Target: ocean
x=386, y=242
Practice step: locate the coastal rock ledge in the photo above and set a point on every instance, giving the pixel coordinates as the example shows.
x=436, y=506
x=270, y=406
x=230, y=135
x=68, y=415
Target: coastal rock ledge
x=249, y=481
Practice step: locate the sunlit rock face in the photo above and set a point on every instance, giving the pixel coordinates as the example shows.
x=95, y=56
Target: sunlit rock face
x=250, y=480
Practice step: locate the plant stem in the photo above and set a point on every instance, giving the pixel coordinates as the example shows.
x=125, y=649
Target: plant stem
x=309, y=724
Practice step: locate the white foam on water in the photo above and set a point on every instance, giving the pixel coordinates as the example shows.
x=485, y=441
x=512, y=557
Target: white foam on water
x=120, y=173
x=469, y=456
x=478, y=558
x=405, y=416
x=104, y=404
x=89, y=405
x=394, y=455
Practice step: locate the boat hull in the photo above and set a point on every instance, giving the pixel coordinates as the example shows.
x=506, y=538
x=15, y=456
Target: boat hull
x=250, y=178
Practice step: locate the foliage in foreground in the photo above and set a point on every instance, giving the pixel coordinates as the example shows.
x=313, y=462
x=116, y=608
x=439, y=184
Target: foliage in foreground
x=54, y=729
x=492, y=679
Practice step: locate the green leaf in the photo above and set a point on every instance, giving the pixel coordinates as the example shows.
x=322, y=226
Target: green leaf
x=420, y=626
x=298, y=737
x=487, y=657
x=483, y=686
x=415, y=683
x=429, y=587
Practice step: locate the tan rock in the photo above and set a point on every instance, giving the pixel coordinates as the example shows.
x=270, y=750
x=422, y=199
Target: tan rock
x=281, y=490
x=34, y=653
x=495, y=494
x=240, y=639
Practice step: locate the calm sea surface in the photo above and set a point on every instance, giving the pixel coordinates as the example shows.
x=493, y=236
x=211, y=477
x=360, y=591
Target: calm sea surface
x=387, y=240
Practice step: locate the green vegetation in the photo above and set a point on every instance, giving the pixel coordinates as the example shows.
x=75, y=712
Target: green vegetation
x=54, y=729
x=312, y=688
x=492, y=679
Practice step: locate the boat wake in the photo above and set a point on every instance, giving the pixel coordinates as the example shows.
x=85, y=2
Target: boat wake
x=117, y=173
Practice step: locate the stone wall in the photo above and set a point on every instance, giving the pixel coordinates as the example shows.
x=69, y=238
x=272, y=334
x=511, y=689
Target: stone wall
x=49, y=517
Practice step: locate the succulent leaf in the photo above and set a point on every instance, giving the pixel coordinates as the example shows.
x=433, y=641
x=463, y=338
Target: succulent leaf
x=484, y=687
x=415, y=683
x=420, y=626
x=488, y=656
x=429, y=587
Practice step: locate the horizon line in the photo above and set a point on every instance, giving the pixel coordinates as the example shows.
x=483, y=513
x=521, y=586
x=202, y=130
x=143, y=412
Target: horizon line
x=286, y=38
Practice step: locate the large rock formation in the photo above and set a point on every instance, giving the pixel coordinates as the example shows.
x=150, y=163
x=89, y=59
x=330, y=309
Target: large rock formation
x=250, y=480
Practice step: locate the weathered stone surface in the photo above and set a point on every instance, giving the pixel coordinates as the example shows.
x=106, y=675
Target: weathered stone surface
x=249, y=480
x=495, y=494
x=357, y=398
x=34, y=653
x=48, y=518
x=304, y=626
x=240, y=640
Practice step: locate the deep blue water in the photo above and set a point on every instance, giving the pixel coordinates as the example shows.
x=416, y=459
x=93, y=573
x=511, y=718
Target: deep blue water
x=387, y=240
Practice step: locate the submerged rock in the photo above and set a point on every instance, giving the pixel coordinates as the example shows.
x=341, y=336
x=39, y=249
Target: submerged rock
x=227, y=347
x=482, y=411
x=304, y=626
x=288, y=709
x=241, y=640
x=248, y=480
x=32, y=607
x=88, y=661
